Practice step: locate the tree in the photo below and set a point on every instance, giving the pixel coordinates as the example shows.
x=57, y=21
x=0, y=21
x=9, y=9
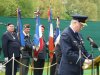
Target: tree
x=7, y=7
x=62, y=8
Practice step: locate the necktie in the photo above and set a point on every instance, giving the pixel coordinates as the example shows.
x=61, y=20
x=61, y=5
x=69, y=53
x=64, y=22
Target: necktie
x=13, y=35
x=76, y=35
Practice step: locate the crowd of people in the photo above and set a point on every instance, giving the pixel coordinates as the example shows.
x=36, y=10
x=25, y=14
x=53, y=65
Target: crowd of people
x=69, y=54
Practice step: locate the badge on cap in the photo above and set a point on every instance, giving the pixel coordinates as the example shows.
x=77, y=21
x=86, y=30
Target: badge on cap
x=81, y=19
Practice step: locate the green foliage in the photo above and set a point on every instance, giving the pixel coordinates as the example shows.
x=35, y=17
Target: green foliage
x=7, y=7
x=83, y=7
x=61, y=8
x=26, y=7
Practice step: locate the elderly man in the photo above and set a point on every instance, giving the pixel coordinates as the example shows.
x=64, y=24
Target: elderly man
x=10, y=46
x=74, y=54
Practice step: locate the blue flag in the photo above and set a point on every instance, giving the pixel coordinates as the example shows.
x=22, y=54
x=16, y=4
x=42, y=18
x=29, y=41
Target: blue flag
x=57, y=32
x=36, y=36
x=20, y=29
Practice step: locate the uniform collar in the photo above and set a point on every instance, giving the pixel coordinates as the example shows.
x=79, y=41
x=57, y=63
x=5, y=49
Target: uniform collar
x=25, y=34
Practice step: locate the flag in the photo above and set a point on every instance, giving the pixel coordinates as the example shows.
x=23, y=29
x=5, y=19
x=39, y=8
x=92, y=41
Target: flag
x=57, y=32
x=38, y=39
x=51, y=38
x=41, y=39
x=49, y=15
x=36, y=36
x=20, y=29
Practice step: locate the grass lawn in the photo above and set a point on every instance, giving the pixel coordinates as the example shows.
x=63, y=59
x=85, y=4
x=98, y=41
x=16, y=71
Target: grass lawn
x=86, y=72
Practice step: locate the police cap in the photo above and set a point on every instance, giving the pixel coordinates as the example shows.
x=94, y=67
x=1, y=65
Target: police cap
x=80, y=18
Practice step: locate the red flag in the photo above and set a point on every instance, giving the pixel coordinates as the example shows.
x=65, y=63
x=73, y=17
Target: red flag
x=41, y=39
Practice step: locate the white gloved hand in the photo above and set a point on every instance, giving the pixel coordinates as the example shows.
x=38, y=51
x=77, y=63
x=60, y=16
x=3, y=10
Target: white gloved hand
x=6, y=59
x=33, y=47
x=88, y=61
x=21, y=48
x=37, y=48
x=20, y=55
x=35, y=59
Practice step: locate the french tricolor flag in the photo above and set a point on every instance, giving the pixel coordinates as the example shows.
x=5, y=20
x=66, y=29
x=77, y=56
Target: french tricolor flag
x=51, y=37
x=38, y=39
x=57, y=32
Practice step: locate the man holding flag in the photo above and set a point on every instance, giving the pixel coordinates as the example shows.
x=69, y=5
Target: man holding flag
x=25, y=42
x=39, y=63
x=27, y=50
x=56, y=41
x=40, y=46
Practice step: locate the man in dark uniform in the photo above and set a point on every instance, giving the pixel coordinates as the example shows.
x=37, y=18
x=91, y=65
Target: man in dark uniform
x=74, y=55
x=10, y=45
x=41, y=56
x=27, y=51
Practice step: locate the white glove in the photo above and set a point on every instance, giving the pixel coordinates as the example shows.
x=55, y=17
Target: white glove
x=35, y=59
x=21, y=48
x=6, y=59
x=47, y=43
x=37, y=48
x=20, y=55
x=33, y=47
x=86, y=64
x=88, y=61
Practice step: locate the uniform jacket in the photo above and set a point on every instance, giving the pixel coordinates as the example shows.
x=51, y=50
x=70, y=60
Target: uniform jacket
x=27, y=51
x=10, y=45
x=70, y=45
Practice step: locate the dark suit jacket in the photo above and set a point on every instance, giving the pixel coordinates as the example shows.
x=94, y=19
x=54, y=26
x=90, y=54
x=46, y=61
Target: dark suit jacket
x=10, y=45
x=70, y=46
x=27, y=51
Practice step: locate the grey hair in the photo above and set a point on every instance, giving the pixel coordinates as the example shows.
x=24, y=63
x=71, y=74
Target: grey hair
x=73, y=21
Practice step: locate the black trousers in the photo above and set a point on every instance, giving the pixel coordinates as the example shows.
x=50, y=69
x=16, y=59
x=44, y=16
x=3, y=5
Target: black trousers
x=24, y=69
x=9, y=67
x=39, y=64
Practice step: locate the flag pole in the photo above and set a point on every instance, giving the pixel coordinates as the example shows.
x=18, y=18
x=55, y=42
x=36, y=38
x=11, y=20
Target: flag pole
x=18, y=34
x=47, y=60
x=51, y=38
x=13, y=65
x=36, y=37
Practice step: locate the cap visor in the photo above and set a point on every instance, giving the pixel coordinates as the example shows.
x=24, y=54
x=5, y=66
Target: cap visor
x=84, y=24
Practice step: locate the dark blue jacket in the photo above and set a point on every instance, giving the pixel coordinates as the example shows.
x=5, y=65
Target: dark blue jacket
x=27, y=51
x=70, y=45
x=10, y=45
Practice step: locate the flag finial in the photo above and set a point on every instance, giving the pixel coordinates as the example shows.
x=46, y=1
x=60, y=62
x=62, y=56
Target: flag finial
x=37, y=12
